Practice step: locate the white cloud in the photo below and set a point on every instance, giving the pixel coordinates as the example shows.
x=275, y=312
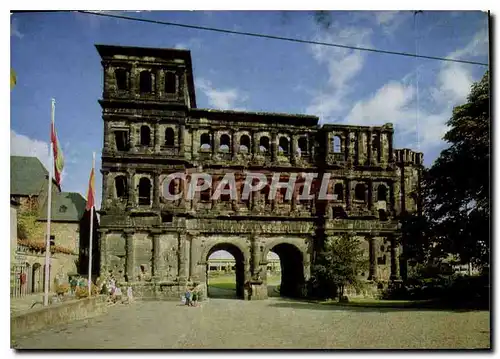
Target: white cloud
x=221, y=99
x=14, y=29
x=191, y=44
x=21, y=145
x=342, y=65
x=477, y=46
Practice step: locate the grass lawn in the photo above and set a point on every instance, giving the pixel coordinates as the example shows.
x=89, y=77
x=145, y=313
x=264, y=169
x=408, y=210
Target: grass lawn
x=228, y=281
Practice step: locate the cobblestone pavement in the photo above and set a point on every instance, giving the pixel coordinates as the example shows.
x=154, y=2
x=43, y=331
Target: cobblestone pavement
x=272, y=323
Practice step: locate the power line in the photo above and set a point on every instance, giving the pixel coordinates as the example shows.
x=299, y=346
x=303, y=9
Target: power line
x=279, y=38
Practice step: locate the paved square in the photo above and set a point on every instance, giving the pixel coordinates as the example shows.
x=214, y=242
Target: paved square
x=273, y=323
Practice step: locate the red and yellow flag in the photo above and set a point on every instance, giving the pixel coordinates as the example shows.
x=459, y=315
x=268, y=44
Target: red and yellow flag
x=90, y=193
x=58, y=155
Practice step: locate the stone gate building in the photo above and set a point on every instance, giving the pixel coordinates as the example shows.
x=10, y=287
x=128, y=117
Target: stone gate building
x=152, y=127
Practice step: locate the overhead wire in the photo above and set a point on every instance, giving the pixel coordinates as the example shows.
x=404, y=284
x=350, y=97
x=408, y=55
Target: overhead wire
x=274, y=37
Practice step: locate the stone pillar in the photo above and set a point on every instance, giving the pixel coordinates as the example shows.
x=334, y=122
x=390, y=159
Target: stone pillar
x=394, y=258
x=348, y=194
x=132, y=202
x=255, y=255
x=361, y=149
x=103, y=250
x=156, y=253
x=347, y=150
x=234, y=145
x=182, y=257
x=107, y=136
x=131, y=138
x=392, y=197
x=192, y=259
x=373, y=257
x=274, y=146
x=106, y=189
x=255, y=144
x=157, y=137
x=293, y=149
x=383, y=141
x=195, y=149
x=130, y=260
x=369, y=145
x=156, y=189
x=390, y=149
x=180, y=144
x=215, y=141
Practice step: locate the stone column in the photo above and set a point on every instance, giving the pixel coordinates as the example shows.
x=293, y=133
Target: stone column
x=180, y=144
x=255, y=255
x=370, y=195
x=156, y=253
x=156, y=189
x=215, y=141
x=383, y=141
x=106, y=189
x=369, y=145
x=390, y=150
x=293, y=148
x=132, y=202
x=130, y=260
x=373, y=257
x=103, y=250
x=394, y=258
x=274, y=146
x=107, y=136
x=182, y=257
x=234, y=145
x=157, y=137
x=348, y=194
x=194, y=148
x=192, y=258
x=392, y=197
x=347, y=150
x=361, y=149
x=131, y=138
x=255, y=144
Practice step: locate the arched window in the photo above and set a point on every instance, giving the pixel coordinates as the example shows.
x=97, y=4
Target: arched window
x=284, y=146
x=381, y=193
x=225, y=142
x=264, y=144
x=244, y=143
x=169, y=137
x=337, y=144
x=121, y=76
x=205, y=141
x=303, y=145
x=145, y=136
x=339, y=191
x=359, y=192
x=145, y=82
x=170, y=82
x=144, y=191
x=121, y=187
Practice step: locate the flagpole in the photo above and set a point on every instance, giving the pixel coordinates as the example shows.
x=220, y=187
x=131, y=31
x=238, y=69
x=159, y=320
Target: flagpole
x=91, y=230
x=49, y=207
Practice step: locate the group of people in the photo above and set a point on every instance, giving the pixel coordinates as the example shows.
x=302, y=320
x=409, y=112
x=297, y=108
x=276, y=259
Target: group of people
x=191, y=297
x=114, y=292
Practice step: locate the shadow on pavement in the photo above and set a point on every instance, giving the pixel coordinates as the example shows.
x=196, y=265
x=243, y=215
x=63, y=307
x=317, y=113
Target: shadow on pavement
x=433, y=306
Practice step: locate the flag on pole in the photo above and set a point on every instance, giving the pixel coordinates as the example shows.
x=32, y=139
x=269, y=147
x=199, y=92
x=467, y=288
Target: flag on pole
x=58, y=155
x=90, y=193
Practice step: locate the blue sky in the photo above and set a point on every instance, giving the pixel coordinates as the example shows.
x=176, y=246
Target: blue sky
x=53, y=55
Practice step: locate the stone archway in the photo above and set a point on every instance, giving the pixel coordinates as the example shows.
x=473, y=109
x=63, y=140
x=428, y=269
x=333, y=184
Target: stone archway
x=239, y=258
x=292, y=269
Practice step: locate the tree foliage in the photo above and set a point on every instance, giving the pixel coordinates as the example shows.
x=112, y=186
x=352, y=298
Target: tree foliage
x=339, y=265
x=456, y=189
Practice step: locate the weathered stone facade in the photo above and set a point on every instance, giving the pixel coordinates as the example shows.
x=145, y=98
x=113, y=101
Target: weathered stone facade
x=152, y=128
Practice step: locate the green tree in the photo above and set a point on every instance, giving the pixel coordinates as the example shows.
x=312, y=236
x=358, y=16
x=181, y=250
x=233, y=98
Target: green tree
x=339, y=265
x=457, y=185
